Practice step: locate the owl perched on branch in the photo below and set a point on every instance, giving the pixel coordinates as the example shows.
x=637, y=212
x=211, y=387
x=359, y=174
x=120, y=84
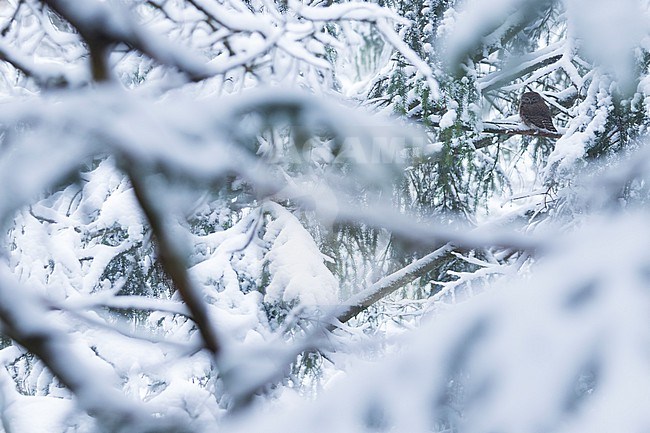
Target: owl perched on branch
x=534, y=112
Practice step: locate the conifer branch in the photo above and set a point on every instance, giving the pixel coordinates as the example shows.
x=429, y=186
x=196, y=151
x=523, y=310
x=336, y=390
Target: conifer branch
x=504, y=128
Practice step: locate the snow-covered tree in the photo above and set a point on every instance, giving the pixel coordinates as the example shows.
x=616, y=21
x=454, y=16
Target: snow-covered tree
x=323, y=216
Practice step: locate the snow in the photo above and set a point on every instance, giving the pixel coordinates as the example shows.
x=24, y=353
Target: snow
x=527, y=341
x=296, y=266
x=448, y=119
x=566, y=306
x=37, y=414
x=474, y=20
x=598, y=23
x=590, y=119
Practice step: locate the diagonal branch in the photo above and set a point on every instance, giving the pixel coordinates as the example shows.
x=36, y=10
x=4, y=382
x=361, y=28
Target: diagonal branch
x=50, y=76
x=390, y=284
x=173, y=261
x=341, y=314
x=103, y=25
x=496, y=127
x=497, y=80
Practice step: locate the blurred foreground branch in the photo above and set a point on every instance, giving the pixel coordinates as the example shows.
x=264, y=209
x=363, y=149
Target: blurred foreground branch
x=173, y=261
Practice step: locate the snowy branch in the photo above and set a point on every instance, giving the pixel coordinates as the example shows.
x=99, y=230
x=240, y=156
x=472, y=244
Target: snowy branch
x=389, y=284
x=25, y=318
x=173, y=260
x=102, y=25
x=506, y=128
x=46, y=76
x=181, y=175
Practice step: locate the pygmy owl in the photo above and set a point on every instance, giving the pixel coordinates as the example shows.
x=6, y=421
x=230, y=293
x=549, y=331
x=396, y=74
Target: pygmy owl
x=534, y=112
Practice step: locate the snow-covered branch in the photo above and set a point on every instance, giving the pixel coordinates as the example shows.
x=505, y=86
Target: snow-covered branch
x=27, y=320
x=389, y=284
x=209, y=211
x=172, y=258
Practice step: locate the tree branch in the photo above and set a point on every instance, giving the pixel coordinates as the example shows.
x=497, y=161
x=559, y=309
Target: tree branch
x=495, y=127
x=390, y=284
x=102, y=26
x=173, y=261
x=26, y=319
x=498, y=80
x=500, y=128
x=43, y=76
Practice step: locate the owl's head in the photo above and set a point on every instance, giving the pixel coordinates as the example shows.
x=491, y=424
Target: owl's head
x=530, y=98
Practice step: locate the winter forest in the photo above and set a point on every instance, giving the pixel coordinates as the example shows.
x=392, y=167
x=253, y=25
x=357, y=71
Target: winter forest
x=324, y=216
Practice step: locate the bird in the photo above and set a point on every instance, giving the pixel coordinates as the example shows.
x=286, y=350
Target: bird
x=534, y=112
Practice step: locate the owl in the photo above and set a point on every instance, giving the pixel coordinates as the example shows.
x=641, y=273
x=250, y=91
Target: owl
x=534, y=112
